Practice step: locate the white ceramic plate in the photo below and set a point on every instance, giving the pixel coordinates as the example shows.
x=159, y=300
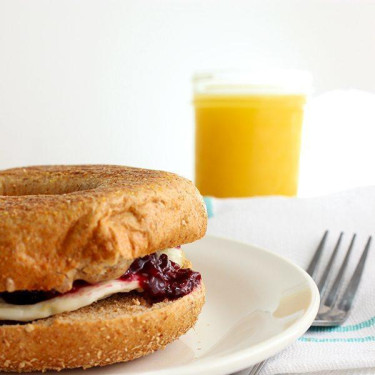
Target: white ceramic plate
x=257, y=304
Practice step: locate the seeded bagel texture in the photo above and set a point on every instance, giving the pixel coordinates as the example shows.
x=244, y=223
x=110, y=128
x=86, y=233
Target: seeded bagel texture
x=63, y=223
x=118, y=329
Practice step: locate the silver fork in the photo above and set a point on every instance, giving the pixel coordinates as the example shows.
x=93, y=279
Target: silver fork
x=332, y=311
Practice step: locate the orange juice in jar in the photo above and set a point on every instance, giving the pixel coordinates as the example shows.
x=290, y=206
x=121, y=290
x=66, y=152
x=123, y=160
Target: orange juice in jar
x=248, y=132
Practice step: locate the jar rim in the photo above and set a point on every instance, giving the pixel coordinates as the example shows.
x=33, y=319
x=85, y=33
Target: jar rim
x=253, y=82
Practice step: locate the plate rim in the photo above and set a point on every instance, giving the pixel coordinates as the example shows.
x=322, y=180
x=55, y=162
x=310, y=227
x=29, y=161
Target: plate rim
x=236, y=361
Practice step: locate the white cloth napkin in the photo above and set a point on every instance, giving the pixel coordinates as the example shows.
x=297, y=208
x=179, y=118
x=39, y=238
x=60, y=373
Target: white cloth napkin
x=293, y=228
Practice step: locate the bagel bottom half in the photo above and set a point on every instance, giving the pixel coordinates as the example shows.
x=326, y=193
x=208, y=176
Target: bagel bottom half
x=117, y=329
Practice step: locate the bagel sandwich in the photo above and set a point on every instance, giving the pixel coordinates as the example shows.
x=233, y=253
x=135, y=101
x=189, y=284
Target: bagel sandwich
x=92, y=271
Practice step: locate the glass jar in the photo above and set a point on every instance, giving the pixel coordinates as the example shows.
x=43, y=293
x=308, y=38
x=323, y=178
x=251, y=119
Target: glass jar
x=248, y=132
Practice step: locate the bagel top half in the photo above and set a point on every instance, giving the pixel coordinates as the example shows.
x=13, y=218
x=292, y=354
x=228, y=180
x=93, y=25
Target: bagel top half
x=88, y=222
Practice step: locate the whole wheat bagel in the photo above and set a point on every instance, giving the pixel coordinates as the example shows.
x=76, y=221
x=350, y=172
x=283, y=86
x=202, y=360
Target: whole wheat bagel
x=63, y=223
x=117, y=329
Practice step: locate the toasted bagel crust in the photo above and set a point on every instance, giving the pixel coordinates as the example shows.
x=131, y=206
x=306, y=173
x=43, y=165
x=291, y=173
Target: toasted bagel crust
x=117, y=329
x=63, y=223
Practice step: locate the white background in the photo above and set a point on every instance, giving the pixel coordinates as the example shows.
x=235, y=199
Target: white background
x=108, y=81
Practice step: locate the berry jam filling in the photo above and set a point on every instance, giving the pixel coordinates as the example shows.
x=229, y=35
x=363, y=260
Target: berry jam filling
x=30, y=297
x=25, y=297
x=159, y=278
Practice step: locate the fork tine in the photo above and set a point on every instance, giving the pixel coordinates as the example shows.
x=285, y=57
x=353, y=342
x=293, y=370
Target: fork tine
x=333, y=293
x=313, y=266
x=324, y=279
x=350, y=291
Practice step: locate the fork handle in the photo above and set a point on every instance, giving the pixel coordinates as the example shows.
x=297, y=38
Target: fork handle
x=257, y=368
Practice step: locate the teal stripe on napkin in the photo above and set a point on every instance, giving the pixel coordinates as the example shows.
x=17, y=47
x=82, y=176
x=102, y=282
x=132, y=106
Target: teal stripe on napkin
x=348, y=328
x=209, y=205
x=343, y=339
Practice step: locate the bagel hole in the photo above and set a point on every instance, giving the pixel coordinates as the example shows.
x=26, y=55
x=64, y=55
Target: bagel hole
x=38, y=187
